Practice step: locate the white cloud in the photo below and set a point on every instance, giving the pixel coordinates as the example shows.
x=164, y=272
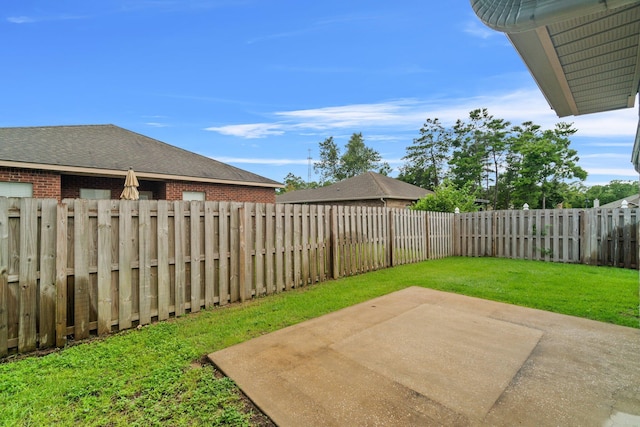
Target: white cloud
x=31, y=20
x=613, y=171
x=606, y=155
x=249, y=131
x=409, y=114
x=157, y=125
x=610, y=144
x=20, y=20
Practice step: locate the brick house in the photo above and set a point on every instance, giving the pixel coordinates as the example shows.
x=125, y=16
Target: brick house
x=368, y=189
x=91, y=161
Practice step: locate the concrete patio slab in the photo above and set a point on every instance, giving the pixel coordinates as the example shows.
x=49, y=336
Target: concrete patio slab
x=423, y=357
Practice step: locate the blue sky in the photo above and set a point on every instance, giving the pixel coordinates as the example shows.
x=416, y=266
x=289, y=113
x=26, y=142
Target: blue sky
x=259, y=83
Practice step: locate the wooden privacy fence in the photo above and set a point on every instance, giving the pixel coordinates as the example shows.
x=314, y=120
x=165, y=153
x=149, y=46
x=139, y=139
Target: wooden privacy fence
x=84, y=266
x=606, y=237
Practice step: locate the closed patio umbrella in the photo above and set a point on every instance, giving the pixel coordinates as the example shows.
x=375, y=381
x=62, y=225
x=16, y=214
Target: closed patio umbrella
x=131, y=185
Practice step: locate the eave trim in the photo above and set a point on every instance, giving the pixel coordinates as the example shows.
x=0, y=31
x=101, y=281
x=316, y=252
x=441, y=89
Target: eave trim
x=118, y=173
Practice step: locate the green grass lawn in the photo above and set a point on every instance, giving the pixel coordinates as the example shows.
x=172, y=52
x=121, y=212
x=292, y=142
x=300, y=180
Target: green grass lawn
x=152, y=376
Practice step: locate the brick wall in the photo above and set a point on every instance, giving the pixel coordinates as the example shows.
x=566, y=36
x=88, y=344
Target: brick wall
x=45, y=184
x=227, y=192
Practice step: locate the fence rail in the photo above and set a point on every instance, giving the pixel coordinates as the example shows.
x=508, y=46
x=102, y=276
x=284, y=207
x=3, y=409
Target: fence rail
x=84, y=267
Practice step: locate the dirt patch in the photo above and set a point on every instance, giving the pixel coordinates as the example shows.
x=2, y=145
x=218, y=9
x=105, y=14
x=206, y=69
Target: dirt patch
x=258, y=418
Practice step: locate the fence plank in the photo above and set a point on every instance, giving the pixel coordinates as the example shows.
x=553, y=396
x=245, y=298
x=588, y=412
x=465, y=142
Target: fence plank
x=304, y=245
x=323, y=214
x=28, y=275
x=179, y=257
x=279, y=230
x=269, y=248
x=104, y=266
x=81, y=300
x=297, y=245
x=311, y=241
x=164, y=281
x=46, y=322
x=223, y=250
x=244, y=253
x=144, y=262
x=4, y=276
x=234, y=252
x=335, y=253
x=259, y=247
x=210, y=239
x=61, y=275
x=196, y=255
x=124, y=262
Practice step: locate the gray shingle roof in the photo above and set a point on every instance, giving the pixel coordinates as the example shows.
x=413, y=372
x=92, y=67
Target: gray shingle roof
x=368, y=186
x=632, y=201
x=112, y=148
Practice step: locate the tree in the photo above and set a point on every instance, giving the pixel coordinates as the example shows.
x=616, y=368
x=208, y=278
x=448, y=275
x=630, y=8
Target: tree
x=293, y=182
x=426, y=159
x=329, y=164
x=540, y=163
x=583, y=197
x=357, y=159
x=480, y=147
x=468, y=160
x=447, y=198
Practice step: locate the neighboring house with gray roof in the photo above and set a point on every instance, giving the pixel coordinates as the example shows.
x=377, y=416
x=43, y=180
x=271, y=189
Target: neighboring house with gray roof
x=91, y=161
x=368, y=189
x=582, y=53
x=632, y=202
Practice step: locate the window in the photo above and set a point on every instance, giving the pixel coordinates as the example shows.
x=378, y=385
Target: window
x=146, y=195
x=193, y=195
x=16, y=189
x=94, y=193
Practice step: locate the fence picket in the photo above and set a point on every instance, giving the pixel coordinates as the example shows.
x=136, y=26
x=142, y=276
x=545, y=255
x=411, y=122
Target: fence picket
x=47, y=296
x=269, y=247
x=224, y=226
x=210, y=238
x=144, y=262
x=104, y=266
x=124, y=262
x=279, y=248
x=195, y=255
x=61, y=274
x=82, y=301
x=4, y=276
x=179, y=258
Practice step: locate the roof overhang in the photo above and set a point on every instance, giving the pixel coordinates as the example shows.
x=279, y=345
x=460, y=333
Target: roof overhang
x=74, y=170
x=583, y=54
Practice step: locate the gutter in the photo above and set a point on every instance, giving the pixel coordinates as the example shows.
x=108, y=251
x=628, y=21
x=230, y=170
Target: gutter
x=514, y=16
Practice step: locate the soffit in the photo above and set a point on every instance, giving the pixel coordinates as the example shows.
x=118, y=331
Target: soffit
x=585, y=64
